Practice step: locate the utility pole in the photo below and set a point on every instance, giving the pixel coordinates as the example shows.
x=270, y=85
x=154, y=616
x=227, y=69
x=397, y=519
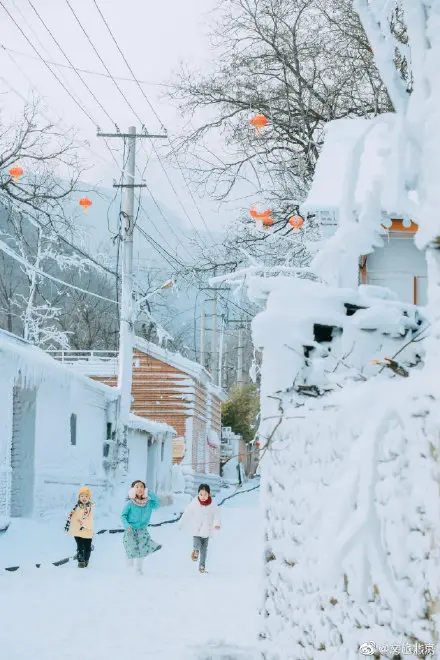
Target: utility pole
x=240, y=378
x=202, y=337
x=126, y=331
x=220, y=354
x=127, y=310
x=214, y=347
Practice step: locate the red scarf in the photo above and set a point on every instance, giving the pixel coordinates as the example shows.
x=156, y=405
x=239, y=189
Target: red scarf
x=206, y=502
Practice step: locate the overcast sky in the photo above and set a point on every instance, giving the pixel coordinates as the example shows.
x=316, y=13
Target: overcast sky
x=156, y=36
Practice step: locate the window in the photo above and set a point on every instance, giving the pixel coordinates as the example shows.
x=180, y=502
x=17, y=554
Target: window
x=73, y=429
x=109, y=430
x=162, y=451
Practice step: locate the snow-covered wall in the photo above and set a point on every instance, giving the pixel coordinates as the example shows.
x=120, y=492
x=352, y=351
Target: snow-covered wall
x=52, y=432
x=345, y=453
x=396, y=264
x=60, y=466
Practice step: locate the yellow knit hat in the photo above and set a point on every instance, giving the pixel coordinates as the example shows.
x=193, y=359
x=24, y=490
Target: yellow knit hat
x=85, y=490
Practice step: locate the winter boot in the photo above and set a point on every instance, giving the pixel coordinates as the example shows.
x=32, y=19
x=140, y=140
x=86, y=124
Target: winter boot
x=81, y=564
x=201, y=569
x=139, y=566
x=86, y=563
x=195, y=555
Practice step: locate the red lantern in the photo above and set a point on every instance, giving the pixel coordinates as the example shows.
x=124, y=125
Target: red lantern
x=16, y=172
x=259, y=122
x=257, y=444
x=263, y=217
x=296, y=222
x=85, y=203
x=260, y=216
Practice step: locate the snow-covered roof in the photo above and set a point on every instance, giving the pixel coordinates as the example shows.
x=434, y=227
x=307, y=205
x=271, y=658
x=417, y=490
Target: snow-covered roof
x=343, y=144
x=173, y=359
x=35, y=366
x=148, y=425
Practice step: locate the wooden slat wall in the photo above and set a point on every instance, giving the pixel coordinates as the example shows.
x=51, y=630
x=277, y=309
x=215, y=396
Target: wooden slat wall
x=162, y=393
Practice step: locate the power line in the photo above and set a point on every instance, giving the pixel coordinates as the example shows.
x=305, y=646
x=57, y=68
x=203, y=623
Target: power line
x=158, y=247
x=87, y=256
x=127, y=63
x=83, y=110
x=103, y=63
x=58, y=65
x=71, y=63
x=167, y=222
x=7, y=250
x=49, y=119
x=162, y=126
x=60, y=82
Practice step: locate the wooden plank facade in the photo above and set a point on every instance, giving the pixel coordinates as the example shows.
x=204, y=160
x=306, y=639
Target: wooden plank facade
x=180, y=393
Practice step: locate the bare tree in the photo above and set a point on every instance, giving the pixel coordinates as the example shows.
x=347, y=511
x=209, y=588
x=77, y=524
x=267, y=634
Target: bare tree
x=301, y=63
x=48, y=156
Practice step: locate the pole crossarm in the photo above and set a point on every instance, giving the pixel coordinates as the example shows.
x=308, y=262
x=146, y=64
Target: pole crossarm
x=129, y=185
x=150, y=136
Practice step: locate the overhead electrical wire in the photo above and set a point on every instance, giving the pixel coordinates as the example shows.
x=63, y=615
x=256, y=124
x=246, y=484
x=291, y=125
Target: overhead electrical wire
x=83, y=110
x=57, y=78
x=10, y=252
x=58, y=65
x=150, y=105
x=161, y=250
x=91, y=92
x=103, y=63
x=74, y=247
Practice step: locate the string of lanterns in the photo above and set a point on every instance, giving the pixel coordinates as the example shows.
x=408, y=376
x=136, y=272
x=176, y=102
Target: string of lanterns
x=16, y=172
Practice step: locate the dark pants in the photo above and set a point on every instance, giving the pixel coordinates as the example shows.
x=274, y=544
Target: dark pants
x=84, y=547
x=201, y=544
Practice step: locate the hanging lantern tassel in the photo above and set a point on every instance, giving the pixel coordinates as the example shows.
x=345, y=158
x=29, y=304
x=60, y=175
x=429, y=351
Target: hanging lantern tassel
x=296, y=222
x=259, y=122
x=16, y=173
x=85, y=203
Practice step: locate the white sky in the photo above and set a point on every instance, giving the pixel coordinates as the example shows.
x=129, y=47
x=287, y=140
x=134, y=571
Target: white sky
x=156, y=36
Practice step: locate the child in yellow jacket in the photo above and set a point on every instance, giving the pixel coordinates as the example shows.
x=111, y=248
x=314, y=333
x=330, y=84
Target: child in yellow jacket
x=80, y=525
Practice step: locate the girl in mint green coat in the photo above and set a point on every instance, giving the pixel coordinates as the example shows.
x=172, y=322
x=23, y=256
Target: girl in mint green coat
x=135, y=518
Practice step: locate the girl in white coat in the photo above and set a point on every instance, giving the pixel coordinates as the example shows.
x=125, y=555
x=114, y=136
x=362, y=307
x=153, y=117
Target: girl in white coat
x=202, y=516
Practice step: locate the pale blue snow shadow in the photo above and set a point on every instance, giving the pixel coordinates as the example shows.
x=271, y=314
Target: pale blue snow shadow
x=220, y=651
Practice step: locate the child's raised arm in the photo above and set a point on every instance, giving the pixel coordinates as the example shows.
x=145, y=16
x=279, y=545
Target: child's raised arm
x=155, y=501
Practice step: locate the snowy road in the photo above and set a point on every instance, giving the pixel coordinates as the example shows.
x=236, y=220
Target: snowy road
x=171, y=613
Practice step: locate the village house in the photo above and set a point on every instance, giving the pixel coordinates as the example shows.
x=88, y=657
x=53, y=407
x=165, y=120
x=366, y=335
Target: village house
x=57, y=433
x=235, y=451
x=396, y=264
x=170, y=389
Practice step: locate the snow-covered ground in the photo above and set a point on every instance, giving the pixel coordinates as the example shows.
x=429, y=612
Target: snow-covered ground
x=172, y=612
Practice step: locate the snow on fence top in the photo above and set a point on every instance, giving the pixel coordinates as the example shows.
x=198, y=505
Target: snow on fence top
x=33, y=366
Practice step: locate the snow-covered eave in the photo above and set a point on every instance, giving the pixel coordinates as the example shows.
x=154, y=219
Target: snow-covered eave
x=337, y=164
x=149, y=426
x=34, y=366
